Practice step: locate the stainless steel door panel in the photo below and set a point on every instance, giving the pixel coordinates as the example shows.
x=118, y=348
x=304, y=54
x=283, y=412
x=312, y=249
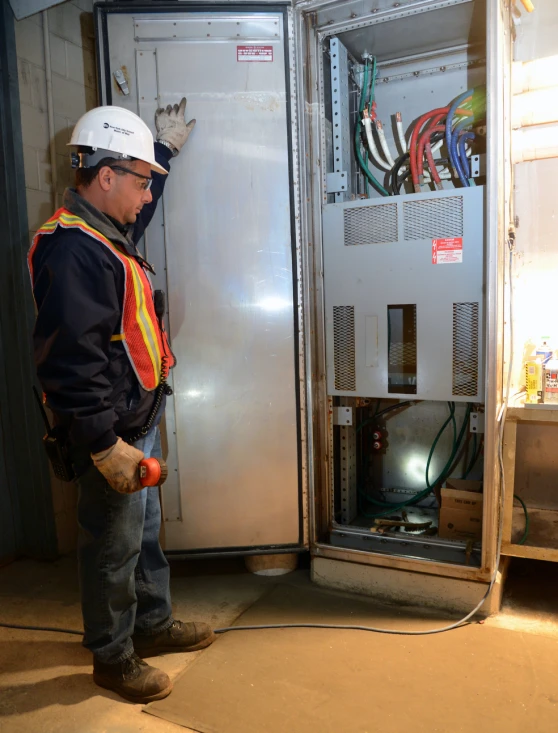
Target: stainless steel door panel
x=229, y=273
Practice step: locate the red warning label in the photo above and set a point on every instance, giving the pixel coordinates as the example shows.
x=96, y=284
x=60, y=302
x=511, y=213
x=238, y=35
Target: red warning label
x=254, y=53
x=447, y=251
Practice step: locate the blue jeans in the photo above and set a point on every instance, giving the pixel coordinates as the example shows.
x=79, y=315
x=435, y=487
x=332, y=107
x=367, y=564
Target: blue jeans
x=124, y=575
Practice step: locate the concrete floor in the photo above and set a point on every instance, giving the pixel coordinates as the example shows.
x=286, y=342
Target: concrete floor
x=45, y=678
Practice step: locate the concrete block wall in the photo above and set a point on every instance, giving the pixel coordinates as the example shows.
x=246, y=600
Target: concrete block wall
x=74, y=91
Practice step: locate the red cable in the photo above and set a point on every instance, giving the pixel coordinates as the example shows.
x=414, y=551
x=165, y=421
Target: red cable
x=413, y=142
x=414, y=162
x=432, y=164
x=424, y=146
x=431, y=128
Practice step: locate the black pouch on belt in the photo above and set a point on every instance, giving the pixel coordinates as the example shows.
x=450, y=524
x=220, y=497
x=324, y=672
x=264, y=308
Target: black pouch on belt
x=56, y=447
x=57, y=452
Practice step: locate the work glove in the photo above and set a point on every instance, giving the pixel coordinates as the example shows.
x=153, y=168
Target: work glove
x=119, y=464
x=172, y=129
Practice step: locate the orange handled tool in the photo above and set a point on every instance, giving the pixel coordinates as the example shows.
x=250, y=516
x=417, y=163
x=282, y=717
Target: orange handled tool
x=153, y=471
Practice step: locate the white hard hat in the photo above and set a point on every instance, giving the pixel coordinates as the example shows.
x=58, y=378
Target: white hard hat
x=110, y=131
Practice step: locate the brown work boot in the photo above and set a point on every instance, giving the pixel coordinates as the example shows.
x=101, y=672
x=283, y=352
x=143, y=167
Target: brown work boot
x=132, y=679
x=180, y=637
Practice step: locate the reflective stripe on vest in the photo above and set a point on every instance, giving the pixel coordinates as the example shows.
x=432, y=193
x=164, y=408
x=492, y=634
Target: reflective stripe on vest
x=140, y=333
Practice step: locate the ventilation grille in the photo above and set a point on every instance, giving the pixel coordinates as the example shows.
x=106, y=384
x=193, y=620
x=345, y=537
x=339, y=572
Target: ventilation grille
x=433, y=218
x=344, y=347
x=401, y=355
x=465, y=349
x=371, y=224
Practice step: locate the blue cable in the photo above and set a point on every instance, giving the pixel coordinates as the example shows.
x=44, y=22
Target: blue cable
x=453, y=155
x=457, y=130
x=463, y=154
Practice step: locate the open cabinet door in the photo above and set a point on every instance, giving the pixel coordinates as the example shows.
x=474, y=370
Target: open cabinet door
x=425, y=54
x=222, y=244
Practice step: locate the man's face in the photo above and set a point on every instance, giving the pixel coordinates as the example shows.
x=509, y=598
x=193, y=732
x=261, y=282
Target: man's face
x=124, y=193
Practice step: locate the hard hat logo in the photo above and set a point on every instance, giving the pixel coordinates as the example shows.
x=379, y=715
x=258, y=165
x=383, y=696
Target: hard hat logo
x=119, y=130
x=113, y=132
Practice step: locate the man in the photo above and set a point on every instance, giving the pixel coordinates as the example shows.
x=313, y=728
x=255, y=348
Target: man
x=102, y=359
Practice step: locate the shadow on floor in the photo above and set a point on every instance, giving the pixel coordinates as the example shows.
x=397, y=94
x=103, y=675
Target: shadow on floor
x=65, y=690
x=192, y=567
x=21, y=654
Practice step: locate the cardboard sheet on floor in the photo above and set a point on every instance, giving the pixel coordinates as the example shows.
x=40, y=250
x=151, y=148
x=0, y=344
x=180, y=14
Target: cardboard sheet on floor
x=307, y=680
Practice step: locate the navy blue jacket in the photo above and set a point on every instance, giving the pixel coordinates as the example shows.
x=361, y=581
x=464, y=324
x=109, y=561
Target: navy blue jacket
x=78, y=284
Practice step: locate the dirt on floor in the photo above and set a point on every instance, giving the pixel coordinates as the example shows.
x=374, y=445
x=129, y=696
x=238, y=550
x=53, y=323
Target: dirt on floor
x=45, y=678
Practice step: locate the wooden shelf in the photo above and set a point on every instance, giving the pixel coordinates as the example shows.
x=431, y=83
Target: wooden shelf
x=535, y=413
x=542, y=540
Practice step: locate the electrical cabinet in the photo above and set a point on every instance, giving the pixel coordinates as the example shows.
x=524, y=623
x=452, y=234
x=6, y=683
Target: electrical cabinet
x=335, y=309
x=398, y=322
x=408, y=292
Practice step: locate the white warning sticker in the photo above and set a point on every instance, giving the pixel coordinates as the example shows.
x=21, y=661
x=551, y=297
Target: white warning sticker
x=447, y=251
x=254, y=53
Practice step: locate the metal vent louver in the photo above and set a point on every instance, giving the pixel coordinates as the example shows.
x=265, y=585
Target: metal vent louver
x=402, y=355
x=433, y=218
x=465, y=349
x=370, y=225
x=344, y=347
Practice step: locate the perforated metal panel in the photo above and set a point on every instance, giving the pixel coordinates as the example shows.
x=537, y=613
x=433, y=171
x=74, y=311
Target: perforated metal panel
x=433, y=218
x=401, y=355
x=441, y=355
x=344, y=347
x=370, y=224
x=465, y=349
x=404, y=353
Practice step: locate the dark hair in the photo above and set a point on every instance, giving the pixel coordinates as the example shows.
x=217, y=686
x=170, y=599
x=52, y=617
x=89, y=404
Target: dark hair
x=85, y=176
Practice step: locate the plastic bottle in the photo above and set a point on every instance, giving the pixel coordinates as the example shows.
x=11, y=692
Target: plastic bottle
x=534, y=381
x=544, y=350
x=551, y=381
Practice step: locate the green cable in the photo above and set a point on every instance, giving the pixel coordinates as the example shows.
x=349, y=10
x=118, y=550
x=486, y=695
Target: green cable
x=389, y=334
x=435, y=443
x=363, y=95
x=475, y=457
x=447, y=468
x=430, y=487
x=373, y=82
x=454, y=425
x=527, y=520
x=449, y=465
x=366, y=182
x=358, y=131
x=362, y=105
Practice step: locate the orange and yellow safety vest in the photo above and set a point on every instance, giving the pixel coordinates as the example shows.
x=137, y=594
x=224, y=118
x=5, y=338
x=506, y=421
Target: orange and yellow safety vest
x=143, y=339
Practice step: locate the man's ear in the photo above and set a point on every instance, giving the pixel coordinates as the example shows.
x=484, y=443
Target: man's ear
x=106, y=177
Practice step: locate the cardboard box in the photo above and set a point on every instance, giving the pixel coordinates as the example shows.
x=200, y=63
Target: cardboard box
x=461, y=510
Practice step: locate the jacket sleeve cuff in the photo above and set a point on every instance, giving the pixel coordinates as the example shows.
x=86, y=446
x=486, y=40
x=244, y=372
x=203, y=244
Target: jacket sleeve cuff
x=105, y=441
x=163, y=155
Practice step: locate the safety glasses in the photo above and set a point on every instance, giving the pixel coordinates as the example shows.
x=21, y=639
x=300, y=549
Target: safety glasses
x=146, y=182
